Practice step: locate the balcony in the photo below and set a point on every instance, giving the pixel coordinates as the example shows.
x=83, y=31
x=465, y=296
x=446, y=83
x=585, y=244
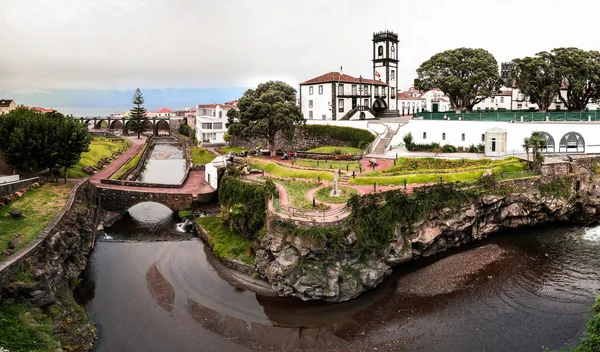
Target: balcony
x=353, y=93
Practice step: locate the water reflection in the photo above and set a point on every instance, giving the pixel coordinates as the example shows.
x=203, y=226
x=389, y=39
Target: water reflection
x=165, y=165
x=517, y=292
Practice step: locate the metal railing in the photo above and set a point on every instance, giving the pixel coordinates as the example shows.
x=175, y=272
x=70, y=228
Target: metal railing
x=516, y=116
x=309, y=213
x=379, y=138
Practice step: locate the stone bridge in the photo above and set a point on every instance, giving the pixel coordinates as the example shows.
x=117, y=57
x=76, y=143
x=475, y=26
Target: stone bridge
x=120, y=200
x=121, y=123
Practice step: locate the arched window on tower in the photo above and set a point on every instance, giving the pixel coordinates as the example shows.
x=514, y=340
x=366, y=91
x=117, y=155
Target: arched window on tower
x=380, y=51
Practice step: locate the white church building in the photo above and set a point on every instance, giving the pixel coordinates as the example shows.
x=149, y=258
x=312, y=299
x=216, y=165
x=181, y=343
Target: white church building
x=337, y=96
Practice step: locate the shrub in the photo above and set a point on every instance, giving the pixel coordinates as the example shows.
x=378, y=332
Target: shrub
x=186, y=130
x=449, y=148
x=408, y=140
x=354, y=137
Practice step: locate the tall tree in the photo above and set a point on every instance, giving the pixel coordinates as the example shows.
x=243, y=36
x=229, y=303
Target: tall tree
x=466, y=75
x=137, y=114
x=579, y=71
x=536, y=77
x=72, y=140
x=265, y=111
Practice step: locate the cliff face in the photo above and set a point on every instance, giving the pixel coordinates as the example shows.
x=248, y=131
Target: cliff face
x=312, y=269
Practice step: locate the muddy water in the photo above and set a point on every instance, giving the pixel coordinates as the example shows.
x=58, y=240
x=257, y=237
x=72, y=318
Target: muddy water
x=517, y=291
x=165, y=165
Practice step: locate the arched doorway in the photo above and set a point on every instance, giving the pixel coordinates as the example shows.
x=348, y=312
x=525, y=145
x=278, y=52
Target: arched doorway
x=379, y=105
x=572, y=142
x=161, y=127
x=550, y=144
x=362, y=115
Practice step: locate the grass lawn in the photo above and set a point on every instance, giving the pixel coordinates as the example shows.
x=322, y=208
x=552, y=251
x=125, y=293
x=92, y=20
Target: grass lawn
x=98, y=149
x=328, y=149
x=39, y=207
x=201, y=156
x=25, y=328
x=128, y=165
x=433, y=165
x=225, y=243
x=324, y=194
x=226, y=150
x=282, y=171
x=296, y=191
x=333, y=165
x=434, y=177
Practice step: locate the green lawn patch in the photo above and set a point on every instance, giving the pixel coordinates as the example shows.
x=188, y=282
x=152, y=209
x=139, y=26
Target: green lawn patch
x=324, y=194
x=435, y=165
x=99, y=148
x=225, y=243
x=329, y=165
x=39, y=207
x=201, y=156
x=296, y=191
x=227, y=150
x=282, y=171
x=25, y=328
x=329, y=149
x=130, y=164
x=434, y=177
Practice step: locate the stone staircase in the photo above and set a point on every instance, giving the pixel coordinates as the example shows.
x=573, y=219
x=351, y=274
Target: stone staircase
x=381, y=147
x=344, y=180
x=384, y=114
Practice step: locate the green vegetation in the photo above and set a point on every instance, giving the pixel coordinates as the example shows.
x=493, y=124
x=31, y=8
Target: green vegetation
x=558, y=187
x=184, y=213
x=39, y=207
x=591, y=340
x=328, y=149
x=324, y=194
x=435, y=177
x=282, y=171
x=130, y=164
x=438, y=148
x=329, y=165
x=244, y=205
x=433, y=165
x=226, y=243
x=25, y=328
x=354, y=137
x=99, y=149
x=201, y=156
x=296, y=191
x=137, y=114
x=227, y=150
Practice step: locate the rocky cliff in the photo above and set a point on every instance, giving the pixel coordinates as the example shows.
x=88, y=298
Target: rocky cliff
x=316, y=268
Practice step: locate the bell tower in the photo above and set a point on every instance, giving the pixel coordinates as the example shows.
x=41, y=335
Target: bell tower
x=385, y=66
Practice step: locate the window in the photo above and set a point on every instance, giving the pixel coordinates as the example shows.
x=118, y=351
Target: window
x=462, y=137
x=341, y=89
x=444, y=136
x=340, y=105
x=557, y=107
x=208, y=175
x=310, y=90
x=310, y=115
x=320, y=89
x=392, y=75
x=221, y=114
x=217, y=125
x=206, y=126
x=310, y=103
x=483, y=137
x=501, y=100
x=380, y=51
x=424, y=135
x=366, y=102
x=354, y=89
x=376, y=91
x=214, y=113
x=324, y=117
x=366, y=90
x=492, y=100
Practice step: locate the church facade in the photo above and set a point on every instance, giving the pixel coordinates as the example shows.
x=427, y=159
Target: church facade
x=337, y=96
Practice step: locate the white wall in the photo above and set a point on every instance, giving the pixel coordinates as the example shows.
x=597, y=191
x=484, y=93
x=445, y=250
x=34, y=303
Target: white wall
x=495, y=103
x=210, y=175
x=321, y=102
x=9, y=178
x=516, y=132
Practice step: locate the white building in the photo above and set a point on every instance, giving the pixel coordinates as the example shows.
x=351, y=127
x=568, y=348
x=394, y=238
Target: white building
x=210, y=122
x=411, y=102
x=336, y=96
x=500, y=101
x=164, y=112
x=436, y=101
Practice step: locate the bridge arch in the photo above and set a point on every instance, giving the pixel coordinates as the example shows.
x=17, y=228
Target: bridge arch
x=572, y=142
x=161, y=125
x=121, y=200
x=115, y=125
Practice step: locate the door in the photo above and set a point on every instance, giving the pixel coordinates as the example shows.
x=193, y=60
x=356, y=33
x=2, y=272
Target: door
x=493, y=144
x=434, y=107
x=353, y=103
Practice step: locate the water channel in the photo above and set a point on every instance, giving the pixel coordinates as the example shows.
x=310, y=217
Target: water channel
x=166, y=165
x=166, y=296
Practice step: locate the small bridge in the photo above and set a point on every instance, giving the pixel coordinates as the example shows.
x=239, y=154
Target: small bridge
x=154, y=124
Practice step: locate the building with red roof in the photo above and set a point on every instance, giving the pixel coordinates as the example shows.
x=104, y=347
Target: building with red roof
x=164, y=112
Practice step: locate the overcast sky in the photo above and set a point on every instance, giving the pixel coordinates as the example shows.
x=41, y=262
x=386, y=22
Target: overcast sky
x=50, y=45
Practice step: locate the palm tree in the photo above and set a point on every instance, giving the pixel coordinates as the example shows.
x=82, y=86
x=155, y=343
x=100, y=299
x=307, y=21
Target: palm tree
x=526, y=145
x=538, y=143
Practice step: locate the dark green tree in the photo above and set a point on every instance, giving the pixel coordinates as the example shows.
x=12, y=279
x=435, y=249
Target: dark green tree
x=266, y=111
x=579, y=71
x=536, y=77
x=137, y=114
x=466, y=75
x=72, y=140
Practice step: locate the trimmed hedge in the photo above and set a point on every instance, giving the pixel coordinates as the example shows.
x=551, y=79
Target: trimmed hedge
x=355, y=137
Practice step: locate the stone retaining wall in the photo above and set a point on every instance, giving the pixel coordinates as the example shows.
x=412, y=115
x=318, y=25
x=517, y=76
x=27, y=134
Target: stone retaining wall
x=135, y=171
x=58, y=253
x=11, y=187
x=119, y=200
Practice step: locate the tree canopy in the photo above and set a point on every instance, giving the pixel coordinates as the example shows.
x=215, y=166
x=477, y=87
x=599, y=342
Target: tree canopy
x=265, y=111
x=37, y=141
x=537, y=78
x=466, y=75
x=579, y=70
x=137, y=114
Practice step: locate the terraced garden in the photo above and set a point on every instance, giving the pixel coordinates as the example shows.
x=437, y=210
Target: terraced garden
x=100, y=148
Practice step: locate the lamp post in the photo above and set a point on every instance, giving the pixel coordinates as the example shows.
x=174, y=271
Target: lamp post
x=360, y=88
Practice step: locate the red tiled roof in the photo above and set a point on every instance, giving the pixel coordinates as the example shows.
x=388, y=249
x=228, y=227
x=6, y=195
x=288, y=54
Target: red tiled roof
x=337, y=77
x=164, y=111
x=504, y=93
x=408, y=96
x=42, y=110
x=214, y=106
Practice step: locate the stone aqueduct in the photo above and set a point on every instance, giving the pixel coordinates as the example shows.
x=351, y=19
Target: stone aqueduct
x=154, y=124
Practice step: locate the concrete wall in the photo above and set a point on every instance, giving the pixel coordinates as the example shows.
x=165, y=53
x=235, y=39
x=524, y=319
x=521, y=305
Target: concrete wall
x=9, y=178
x=11, y=187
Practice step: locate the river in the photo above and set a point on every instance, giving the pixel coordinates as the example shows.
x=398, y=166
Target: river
x=535, y=289
x=165, y=165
